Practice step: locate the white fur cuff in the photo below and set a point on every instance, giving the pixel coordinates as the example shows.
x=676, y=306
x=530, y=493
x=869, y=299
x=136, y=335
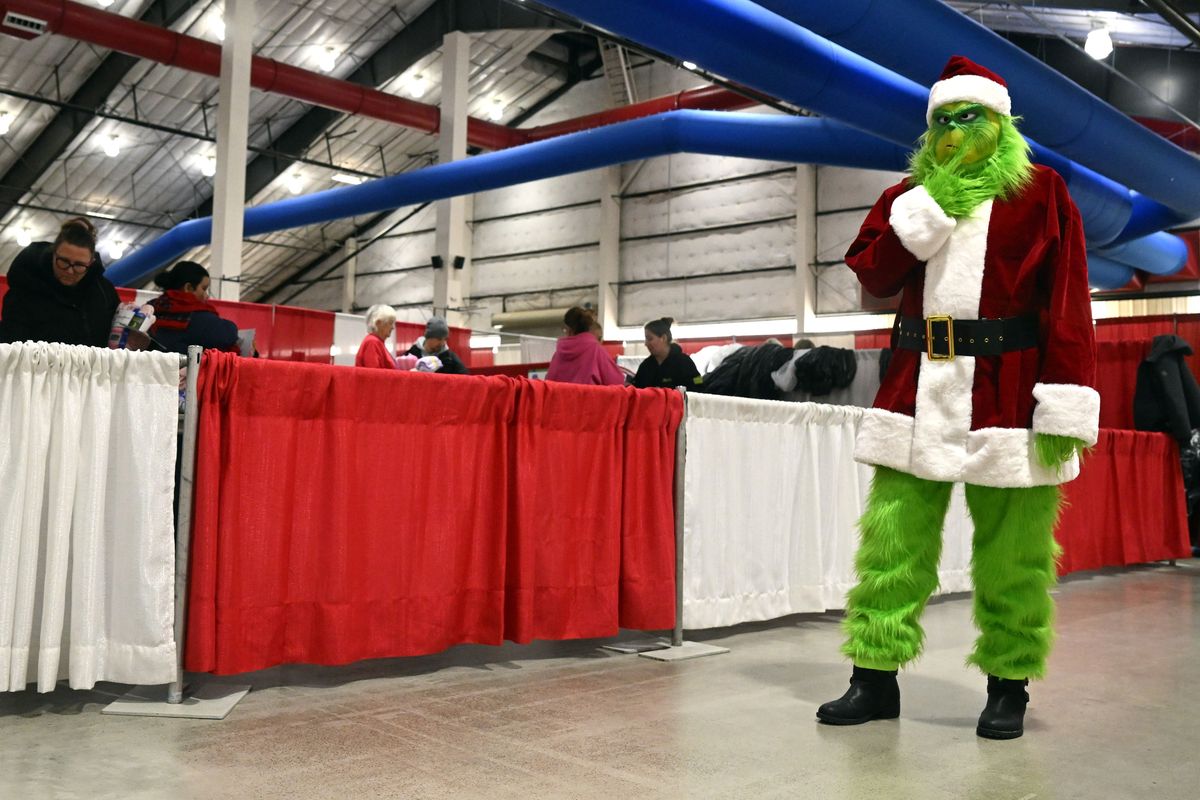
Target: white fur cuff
x=1065, y=409
x=920, y=223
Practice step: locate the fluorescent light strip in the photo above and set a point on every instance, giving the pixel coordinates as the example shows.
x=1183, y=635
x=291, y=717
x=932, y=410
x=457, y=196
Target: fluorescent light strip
x=341, y=177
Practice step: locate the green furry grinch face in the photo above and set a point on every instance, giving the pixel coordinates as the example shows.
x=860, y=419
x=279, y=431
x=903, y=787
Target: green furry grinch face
x=963, y=133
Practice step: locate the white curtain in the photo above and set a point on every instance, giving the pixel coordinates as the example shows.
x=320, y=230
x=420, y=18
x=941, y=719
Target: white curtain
x=771, y=501
x=87, y=550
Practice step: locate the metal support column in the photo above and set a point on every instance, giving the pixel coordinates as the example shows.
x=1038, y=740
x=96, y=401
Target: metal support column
x=233, y=113
x=609, y=266
x=452, y=236
x=805, y=246
x=351, y=274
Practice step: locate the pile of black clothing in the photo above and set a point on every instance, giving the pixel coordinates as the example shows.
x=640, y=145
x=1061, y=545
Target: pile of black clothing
x=747, y=372
x=755, y=372
x=823, y=369
x=1167, y=399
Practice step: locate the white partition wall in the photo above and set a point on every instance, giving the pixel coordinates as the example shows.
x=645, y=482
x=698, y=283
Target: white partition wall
x=772, y=499
x=87, y=550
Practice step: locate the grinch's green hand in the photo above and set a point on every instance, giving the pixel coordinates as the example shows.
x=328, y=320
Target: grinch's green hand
x=1054, y=451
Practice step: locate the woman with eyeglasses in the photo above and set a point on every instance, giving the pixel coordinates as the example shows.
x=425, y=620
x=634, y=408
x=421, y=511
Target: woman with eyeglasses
x=57, y=291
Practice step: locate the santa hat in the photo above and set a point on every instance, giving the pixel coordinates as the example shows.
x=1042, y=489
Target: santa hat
x=963, y=79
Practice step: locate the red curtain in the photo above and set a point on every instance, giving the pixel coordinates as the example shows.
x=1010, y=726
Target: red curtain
x=591, y=511
x=1141, y=329
x=343, y=514
x=1116, y=379
x=1127, y=505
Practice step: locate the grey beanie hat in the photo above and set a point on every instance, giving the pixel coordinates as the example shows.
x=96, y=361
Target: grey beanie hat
x=437, y=328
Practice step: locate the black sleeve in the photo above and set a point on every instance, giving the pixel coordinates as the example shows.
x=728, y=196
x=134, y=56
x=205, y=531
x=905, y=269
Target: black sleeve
x=1171, y=373
x=415, y=350
x=642, y=379
x=210, y=331
x=16, y=323
x=685, y=371
x=451, y=364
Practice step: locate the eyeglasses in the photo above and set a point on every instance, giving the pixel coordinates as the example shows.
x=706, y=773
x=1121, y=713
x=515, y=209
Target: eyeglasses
x=78, y=266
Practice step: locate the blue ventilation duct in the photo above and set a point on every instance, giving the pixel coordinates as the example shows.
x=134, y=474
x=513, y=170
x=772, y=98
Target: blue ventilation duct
x=1159, y=253
x=1055, y=110
x=751, y=45
x=723, y=133
x=1104, y=273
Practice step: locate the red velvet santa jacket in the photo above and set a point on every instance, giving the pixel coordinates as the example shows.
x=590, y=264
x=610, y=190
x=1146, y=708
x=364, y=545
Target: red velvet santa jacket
x=973, y=419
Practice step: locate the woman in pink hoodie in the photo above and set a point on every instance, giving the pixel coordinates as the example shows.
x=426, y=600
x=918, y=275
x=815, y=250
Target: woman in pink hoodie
x=579, y=356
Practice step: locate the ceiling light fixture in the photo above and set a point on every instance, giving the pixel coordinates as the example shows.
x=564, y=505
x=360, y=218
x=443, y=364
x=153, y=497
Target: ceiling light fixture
x=689, y=65
x=327, y=61
x=112, y=146
x=1098, y=44
x=24, y=237
x=496, y=109
x=116, y=248
x=5, y=122
x=418, y=86
x=218, y=27
x=295, y=183
x=101, y=215
x=342, y=177
x=208, y=166
x=104, y=3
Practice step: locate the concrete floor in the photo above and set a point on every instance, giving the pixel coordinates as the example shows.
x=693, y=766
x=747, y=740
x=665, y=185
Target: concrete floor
x=1116, y=719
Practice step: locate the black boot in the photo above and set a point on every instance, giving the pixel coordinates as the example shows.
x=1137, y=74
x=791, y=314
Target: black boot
x=1004, y=715
x=873, y=694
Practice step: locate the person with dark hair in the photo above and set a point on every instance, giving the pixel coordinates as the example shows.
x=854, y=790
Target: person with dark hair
x=434, y=343
x=668, y=366
x=57, y=291
x=579, y=356
x=184, y=314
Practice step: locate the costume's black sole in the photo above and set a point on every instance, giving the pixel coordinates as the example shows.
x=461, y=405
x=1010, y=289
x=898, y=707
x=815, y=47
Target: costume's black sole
x=857, y=720
x=992, y=733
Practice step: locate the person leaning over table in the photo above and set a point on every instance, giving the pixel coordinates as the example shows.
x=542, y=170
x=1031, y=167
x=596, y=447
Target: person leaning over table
x=57, y=291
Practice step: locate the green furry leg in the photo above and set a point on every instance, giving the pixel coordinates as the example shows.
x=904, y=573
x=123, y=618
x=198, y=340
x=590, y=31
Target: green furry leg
x=900, y=543
x=1013, y=568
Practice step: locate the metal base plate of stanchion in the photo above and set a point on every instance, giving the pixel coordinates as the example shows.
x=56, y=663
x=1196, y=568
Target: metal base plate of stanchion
x=206, y=701
x=686, y=651
x=637, y=646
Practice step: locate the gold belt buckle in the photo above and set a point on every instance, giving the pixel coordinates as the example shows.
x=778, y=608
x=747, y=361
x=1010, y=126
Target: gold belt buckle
x=949, y=338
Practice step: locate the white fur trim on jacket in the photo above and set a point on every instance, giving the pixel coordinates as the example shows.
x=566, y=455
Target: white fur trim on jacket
x=974, y=88
x=920, y=223
x=1065, y=409
x=1000, y=457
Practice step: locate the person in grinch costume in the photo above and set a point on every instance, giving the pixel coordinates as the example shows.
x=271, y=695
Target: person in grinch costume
x=990, y=385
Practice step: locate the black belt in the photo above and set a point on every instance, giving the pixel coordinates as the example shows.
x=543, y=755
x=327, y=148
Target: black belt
x=943, y=338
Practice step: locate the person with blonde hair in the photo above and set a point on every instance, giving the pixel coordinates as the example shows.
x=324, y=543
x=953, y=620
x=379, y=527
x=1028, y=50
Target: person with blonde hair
x=373, y=351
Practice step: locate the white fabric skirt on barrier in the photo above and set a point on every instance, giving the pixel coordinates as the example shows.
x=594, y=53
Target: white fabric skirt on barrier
x=87, y=550
x=772, y=499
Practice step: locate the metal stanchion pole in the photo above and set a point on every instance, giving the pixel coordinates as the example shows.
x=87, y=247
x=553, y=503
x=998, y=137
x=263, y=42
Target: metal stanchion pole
x=679, y=649
x=680, y=459
x=212, y=701
x=183, y=515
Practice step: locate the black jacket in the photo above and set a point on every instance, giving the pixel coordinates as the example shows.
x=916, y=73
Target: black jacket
x=451, y=364
x=677, y=369
x=748, y=372
x=1167, y=397
x=40, y=309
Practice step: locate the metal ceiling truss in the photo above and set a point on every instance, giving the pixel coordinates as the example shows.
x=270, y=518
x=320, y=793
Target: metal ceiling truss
x=78, y=112
x=572, y=72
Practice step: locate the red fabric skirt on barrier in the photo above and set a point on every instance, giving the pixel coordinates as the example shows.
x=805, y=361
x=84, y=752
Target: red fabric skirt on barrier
x=1127, y=505
x=342, y=514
